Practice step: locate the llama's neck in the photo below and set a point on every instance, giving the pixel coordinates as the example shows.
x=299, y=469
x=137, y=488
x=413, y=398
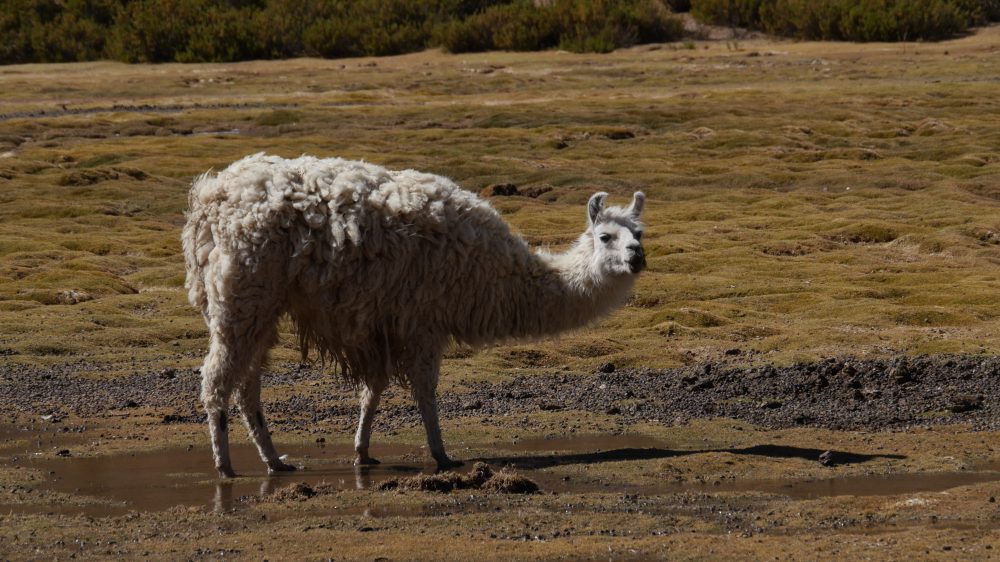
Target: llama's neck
x=552, y=293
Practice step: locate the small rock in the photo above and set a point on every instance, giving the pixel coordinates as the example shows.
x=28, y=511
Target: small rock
x=474, y=405
x=901, y=372
x=733, y=351
x=771, y=404
x=613, y=411
x=63, y=453
x=607, y=368
x=703, y=385
x=803, y=419
x=827, y=458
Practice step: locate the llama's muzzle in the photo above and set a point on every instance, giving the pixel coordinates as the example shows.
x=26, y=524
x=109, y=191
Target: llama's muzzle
x=638, y=260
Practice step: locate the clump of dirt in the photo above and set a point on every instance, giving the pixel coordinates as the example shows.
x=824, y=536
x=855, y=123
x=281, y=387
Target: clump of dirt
x=509, y=482
x=299, y=491
x=481, y=477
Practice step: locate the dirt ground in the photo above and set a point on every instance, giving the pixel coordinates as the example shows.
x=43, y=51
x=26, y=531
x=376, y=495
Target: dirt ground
x=693, y=462
x=808, y=368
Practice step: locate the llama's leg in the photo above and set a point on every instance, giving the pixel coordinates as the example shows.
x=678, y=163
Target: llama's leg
x=371, y=393
x=248, y=398
x=241, y=310
x=424, y=378
x=217, y=375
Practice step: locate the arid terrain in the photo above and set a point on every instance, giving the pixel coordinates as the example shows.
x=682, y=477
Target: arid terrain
x=809, y=368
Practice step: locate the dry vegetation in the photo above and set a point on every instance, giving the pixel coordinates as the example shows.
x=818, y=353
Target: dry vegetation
x=806, y=200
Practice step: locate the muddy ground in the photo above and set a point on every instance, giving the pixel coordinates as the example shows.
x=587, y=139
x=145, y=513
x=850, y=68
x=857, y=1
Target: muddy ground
x=883, y=458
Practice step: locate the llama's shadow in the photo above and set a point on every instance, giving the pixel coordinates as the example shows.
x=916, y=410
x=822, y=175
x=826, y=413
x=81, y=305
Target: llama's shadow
x=637, y=454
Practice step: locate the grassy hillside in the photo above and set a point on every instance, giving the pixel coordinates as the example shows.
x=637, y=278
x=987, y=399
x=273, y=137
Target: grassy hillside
x=806, y=199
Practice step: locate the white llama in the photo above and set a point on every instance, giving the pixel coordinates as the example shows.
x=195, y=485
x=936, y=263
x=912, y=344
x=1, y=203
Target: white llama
x=379, y=271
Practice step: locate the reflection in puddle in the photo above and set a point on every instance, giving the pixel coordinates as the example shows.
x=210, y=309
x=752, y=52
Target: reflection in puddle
x=159, y=480
x=163, y=479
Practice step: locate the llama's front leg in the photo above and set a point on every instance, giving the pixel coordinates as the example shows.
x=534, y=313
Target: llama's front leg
x=248, y=398
x=371, y=393
x=424, y=379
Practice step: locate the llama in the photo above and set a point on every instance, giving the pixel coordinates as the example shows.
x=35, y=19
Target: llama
x=379, y=272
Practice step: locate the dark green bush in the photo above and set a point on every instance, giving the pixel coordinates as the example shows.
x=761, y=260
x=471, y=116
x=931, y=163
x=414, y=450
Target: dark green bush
x=851, y=20
x=519, y=26
x=230, y=30
x=574, y=25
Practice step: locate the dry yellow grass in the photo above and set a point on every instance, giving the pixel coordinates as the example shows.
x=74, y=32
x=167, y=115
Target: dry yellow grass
x=806, y=199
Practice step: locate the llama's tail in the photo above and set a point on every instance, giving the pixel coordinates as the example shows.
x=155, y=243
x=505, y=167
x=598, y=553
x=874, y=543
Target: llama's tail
x=198, y=243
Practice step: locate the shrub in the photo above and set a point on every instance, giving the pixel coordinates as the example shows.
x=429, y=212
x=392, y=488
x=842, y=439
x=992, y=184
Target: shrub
x=852, y=20
x=230, y=30
x=574, y=25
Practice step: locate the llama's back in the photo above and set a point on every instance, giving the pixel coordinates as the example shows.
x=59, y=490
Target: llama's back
x=321, y=217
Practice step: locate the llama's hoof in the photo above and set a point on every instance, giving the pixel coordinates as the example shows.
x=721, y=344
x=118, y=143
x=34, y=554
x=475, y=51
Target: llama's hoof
x=226, y=472
x=448, y=464
x=281, y=467
x=365, y=461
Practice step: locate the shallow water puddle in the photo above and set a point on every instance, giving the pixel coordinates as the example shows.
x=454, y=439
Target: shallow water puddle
x=163, y=479
x=159, y=480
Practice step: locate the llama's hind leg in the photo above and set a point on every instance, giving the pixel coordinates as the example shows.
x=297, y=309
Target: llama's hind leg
x=371, y=393
x=248, y=398
x=242, y=318
x=216, y=389
x=424, y=378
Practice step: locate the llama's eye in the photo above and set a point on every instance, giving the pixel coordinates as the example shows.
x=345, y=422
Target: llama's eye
x=638, y=235
x=605, y=237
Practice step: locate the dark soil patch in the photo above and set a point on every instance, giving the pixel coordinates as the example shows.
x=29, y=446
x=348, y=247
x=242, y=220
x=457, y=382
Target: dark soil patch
x=837, y=393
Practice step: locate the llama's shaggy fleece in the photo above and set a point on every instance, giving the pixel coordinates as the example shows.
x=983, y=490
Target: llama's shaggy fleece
x=379, y=271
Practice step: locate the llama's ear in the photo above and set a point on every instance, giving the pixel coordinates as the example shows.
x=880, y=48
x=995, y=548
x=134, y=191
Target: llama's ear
x=638, y=202
x=595, y=206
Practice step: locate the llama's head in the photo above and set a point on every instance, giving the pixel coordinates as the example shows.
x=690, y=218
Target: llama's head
x=616, y=234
